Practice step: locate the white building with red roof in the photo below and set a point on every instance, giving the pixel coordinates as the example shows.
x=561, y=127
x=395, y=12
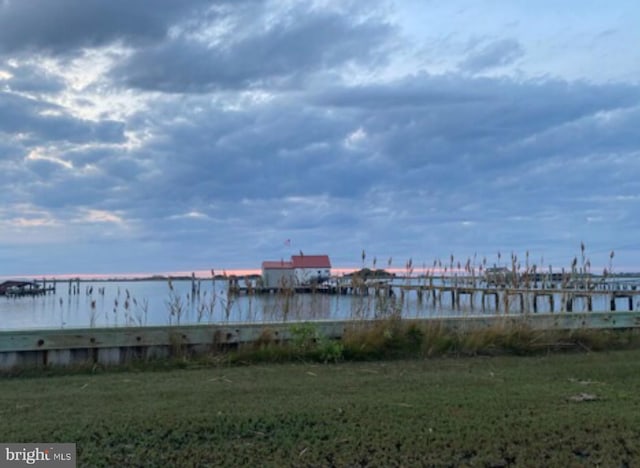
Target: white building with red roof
x=300, y=270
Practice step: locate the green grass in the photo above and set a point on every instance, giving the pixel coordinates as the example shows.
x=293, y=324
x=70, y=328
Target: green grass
x=471, y=411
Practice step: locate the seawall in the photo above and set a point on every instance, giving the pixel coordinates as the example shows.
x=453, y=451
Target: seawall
x=116, y=346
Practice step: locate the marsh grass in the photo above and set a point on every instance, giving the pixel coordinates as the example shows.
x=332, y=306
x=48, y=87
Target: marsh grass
x=141, y=310
x=174, y=304
x=395, y=338
x=93, y=315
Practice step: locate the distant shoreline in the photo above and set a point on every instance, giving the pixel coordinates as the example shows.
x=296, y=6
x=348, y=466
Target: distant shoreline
x=222, y=277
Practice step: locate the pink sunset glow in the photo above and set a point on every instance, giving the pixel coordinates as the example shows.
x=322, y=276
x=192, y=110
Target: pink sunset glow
x=204, y=274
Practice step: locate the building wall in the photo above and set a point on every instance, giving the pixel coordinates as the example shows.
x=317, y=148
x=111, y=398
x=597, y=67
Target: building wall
x=304, y=275
x=277, y=277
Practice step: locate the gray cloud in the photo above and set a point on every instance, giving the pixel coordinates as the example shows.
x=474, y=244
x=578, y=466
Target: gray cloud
x=280, y=51
x=443, y=157
x=432, y=119
x=494, y=54
x=63, y=26
x=44, y=121
x=239, y=168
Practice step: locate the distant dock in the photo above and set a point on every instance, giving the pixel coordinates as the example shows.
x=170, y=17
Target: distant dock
x=13, y=288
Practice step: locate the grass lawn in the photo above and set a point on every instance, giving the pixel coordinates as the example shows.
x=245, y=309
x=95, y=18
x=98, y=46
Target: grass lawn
x=574, y=409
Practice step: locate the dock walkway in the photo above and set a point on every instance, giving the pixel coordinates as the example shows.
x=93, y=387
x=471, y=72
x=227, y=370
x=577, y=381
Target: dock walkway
x=531, y=297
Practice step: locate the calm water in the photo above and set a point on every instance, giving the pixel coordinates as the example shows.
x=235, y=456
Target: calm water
x=148, y=303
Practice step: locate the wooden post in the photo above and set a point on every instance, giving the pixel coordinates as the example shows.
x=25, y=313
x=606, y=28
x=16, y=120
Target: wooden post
x=537, y=296
x=496, y=297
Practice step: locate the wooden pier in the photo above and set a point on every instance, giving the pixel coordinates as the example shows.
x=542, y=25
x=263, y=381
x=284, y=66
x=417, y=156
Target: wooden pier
x=477, y=296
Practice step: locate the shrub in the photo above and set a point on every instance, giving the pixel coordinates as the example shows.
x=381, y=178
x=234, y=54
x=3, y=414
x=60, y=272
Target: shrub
x=304, y=337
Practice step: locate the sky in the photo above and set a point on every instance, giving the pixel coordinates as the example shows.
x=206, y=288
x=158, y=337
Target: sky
x=166, y=136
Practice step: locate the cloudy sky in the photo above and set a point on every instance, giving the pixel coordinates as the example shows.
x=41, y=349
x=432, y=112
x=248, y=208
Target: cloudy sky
x=160, y=136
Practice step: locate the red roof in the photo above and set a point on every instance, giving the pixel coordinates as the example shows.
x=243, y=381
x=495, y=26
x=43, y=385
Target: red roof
x=310, y=261
x=276, y=265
